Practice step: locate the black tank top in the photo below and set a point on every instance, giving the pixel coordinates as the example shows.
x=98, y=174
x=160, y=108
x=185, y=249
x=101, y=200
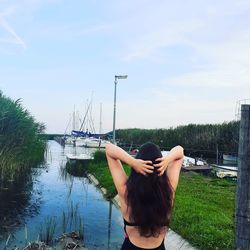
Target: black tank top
x=128, y=245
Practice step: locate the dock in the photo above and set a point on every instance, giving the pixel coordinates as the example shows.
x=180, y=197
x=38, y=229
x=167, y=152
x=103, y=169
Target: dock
x=197, y=168
x=228, y=168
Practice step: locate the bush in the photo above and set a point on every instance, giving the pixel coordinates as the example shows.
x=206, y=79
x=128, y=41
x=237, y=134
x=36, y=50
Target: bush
x=99, y=156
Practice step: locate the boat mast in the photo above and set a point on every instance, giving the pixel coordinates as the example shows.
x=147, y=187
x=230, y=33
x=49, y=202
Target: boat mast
x=74, y=120
x=91, y=122
x=85, y=117
x=100, y=128
x=70, y=117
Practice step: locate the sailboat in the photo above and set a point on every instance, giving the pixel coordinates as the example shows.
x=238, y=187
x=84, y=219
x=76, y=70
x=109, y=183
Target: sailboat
x=96, y=141
x=70, y=138
x=83, y=137
x=77, y=136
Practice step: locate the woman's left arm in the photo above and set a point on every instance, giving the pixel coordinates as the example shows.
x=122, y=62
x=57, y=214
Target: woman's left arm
x=171, y=165
x=114, y=156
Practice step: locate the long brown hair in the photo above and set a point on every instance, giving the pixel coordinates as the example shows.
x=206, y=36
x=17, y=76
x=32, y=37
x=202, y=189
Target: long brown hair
x=150, y=197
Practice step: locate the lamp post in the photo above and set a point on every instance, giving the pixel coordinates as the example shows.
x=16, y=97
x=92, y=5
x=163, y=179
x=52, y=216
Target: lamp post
x=116, y=81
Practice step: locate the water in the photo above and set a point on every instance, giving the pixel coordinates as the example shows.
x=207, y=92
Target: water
x=49, y=192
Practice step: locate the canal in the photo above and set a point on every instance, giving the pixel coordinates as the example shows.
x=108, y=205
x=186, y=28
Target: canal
x=47, y=194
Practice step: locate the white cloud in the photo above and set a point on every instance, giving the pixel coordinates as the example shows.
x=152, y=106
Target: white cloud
x=161, y=25
x=17, y=8
x=172, y=33
x=228, y=64
x=17, y=39
x=174, y=111
x=73, y=31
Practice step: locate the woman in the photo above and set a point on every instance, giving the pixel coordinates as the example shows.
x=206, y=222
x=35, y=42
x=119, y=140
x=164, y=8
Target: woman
x=146, y=196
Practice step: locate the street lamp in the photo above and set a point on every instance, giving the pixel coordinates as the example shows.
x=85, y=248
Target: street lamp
x=116, y=78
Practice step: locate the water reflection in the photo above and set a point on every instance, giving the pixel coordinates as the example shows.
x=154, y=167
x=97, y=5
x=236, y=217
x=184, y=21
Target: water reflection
x=67, y=178
x=48, y=193
x=109, y=225
x=16, y=202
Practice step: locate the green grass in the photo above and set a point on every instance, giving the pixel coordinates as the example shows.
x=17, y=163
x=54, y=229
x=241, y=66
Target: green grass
x=99, y=168
x=204, y=206
x=204, y=211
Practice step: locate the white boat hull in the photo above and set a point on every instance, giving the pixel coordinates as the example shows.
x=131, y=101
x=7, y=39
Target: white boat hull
x=71, y=158
x=187, y=160
x=95, y=143
x=225, y=171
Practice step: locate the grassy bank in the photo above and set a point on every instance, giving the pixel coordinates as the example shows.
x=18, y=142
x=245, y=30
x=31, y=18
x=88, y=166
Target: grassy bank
x=98, y=167
x=204, y=211
x=204, y=206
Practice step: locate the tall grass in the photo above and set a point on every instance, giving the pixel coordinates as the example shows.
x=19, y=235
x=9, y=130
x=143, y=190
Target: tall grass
x=71, y=221
x=20, y=144
x=193, y=137
x=99, y=156
x=47, y=231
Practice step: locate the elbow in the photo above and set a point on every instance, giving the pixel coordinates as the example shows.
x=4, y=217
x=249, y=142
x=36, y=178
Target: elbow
x=108, y=148
x=181, y=151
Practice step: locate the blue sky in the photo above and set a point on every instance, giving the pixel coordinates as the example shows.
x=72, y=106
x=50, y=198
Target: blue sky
x=186, y=61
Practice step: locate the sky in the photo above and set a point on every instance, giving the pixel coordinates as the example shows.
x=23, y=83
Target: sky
x=186, y=61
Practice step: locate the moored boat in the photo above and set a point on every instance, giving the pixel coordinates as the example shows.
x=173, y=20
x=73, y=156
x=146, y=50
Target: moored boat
x=230, y=158
x=188, y=161
x=71, y=158
x=92, y=142
x=225, y=171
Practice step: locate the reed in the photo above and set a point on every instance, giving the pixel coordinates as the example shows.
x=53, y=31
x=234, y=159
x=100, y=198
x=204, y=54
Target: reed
x=81, y=228
x=7, y=241
x=72, y=220
x=199, y=138
x=65, y=221
x=20, y=145
x=47, y=231
x=26, y=233
x=64, y=175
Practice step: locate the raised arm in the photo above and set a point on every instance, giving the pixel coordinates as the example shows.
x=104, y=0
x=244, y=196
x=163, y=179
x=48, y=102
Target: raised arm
x=171, y=165
x=114, y=156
